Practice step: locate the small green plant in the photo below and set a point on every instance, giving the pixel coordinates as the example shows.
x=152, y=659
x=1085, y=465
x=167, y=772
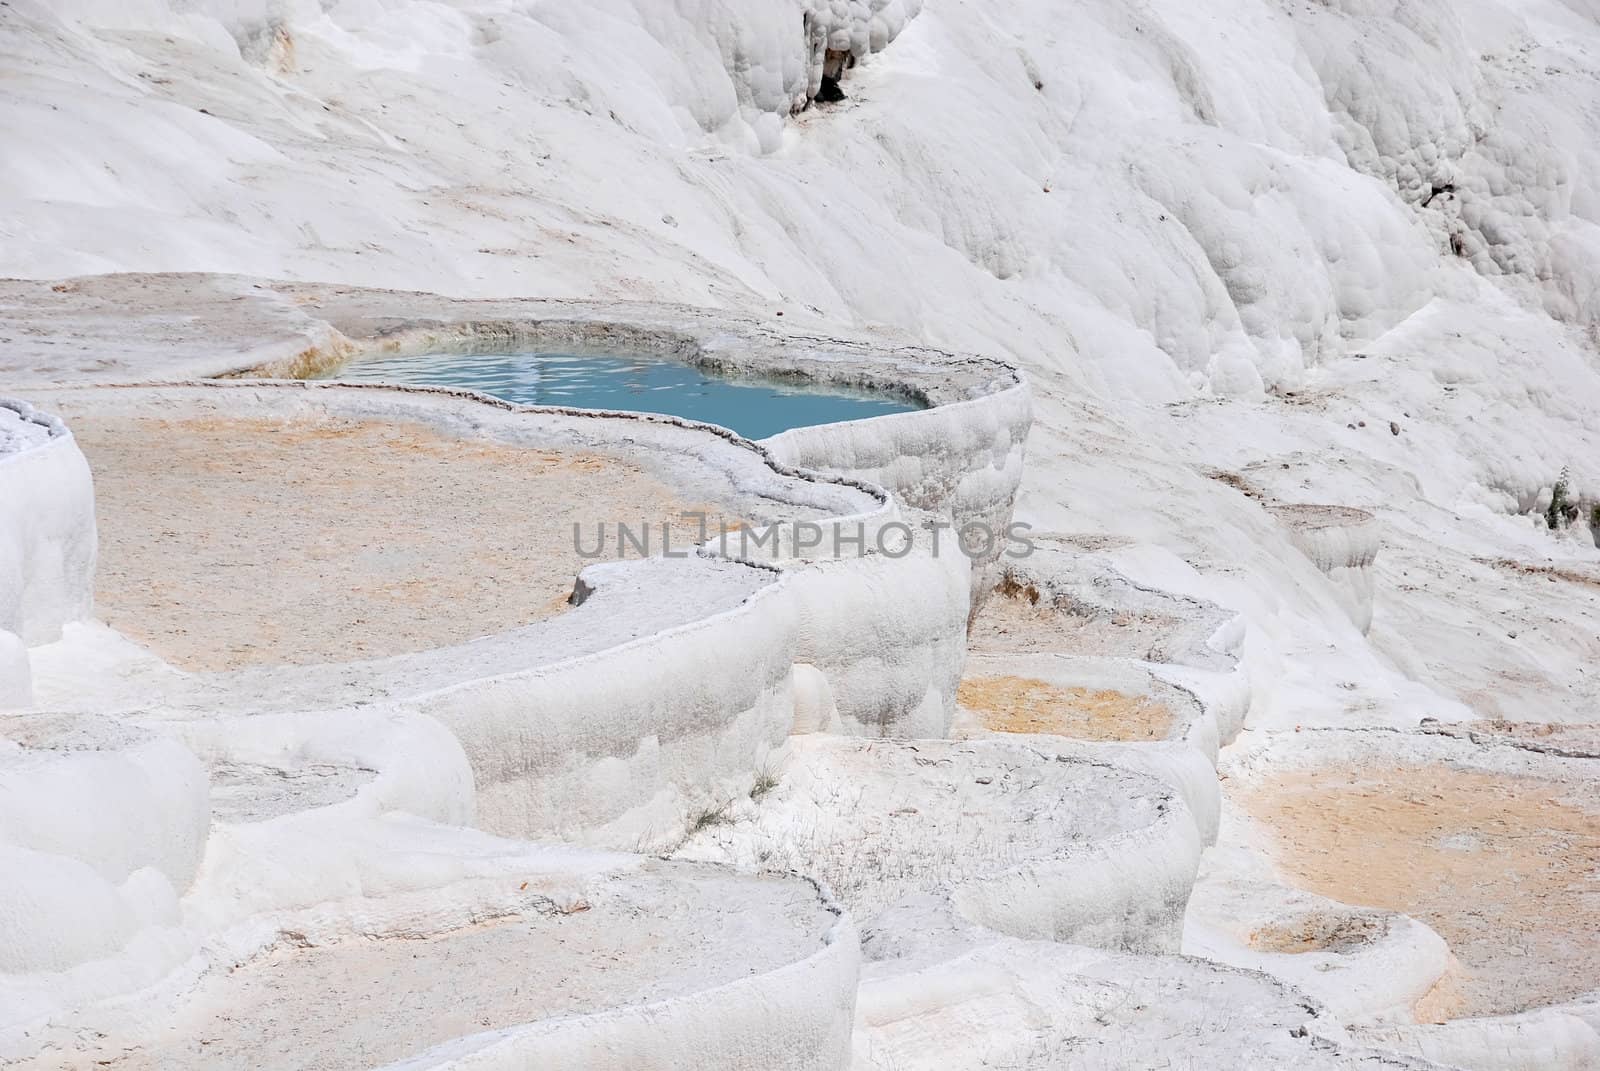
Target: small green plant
x=766, y=781
x=1594, y=517
x=1562, y=511
x=719, y=815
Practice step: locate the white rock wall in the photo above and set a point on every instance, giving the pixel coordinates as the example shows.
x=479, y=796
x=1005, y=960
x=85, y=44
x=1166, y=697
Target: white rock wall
x=961, y=463
x=624, y=746
x=727, y=68
x=47, y=533
x=102, y=828
x=628, y=746
x=1125, y=892
x=1343, y=543
x=888, y=637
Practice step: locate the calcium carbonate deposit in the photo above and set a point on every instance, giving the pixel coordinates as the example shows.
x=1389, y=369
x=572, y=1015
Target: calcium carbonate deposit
x=1198, y=669
x=20, y=428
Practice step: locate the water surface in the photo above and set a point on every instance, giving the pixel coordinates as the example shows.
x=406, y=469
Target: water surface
x=754, y=408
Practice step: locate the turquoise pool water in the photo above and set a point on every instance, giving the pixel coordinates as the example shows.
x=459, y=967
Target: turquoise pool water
x=753, y=408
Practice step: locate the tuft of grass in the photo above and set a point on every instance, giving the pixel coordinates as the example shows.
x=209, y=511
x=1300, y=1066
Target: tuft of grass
x=719, y=815
x=766, y=781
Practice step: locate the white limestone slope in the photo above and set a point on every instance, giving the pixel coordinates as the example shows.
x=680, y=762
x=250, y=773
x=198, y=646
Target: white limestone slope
x=1277, y=281
x=1211, y=226
x=1247, y=253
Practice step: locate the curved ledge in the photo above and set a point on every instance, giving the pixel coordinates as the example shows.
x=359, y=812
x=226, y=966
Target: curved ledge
x=1490, y=864
x=1333, y=537
x=111, y=795
x=22, y=427
x=670, y=683
x=1360, y=963
x=959, y=460
x=1072, y=619
x=1177, y=764
x=728, y=1028
x=1106, y=856
x=1343, y=543
x=1546, y=1039
x=699, y=957
x=980, y=999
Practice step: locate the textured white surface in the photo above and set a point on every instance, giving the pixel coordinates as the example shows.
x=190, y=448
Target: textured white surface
x=1020, y=842
x=16, y=673
x=1343, y=543
x=1247, y=253
x=1037, y=1006
x=1377, y=965
x=47, y=534
x=19, y=431
x=1548, y=1039
x=102, y=829
x=618, y=721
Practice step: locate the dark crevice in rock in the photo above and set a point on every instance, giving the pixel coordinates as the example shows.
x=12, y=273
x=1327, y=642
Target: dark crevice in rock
x=1438, y=190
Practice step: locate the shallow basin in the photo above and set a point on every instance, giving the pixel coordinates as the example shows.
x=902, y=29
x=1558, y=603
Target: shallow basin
x=755, y=408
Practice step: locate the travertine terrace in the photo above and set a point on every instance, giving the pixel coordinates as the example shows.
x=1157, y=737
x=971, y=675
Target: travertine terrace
x=1256, y=343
